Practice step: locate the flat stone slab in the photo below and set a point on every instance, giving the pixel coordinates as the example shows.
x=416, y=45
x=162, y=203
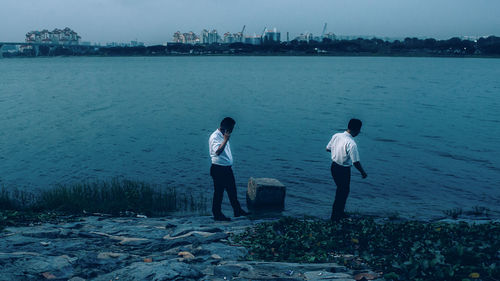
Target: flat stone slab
x=325, y=275
x=172, y=248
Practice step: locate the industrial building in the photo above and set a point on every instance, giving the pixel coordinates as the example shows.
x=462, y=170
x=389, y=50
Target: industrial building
x=271, y=36
x=186, y=38
x=64, y=36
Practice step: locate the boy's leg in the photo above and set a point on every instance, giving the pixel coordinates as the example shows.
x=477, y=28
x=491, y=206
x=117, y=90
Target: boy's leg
x=342, y=177
x=231, y=192
x=218, y=179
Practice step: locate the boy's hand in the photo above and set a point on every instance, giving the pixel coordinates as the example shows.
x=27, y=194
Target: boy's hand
x=227, y=135
x=364, y=175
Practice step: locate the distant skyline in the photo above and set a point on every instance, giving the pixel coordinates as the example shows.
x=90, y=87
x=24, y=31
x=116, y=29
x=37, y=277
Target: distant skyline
x=155, y=21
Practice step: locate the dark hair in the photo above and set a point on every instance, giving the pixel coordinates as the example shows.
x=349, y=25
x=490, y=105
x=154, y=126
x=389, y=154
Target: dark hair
x=227, y=123
x=354, y=125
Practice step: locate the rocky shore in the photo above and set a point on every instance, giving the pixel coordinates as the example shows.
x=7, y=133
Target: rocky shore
x=140, y=248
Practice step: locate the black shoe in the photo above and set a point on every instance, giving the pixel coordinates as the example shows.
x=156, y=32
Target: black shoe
x=221, y=218
x=241, y=213
x=336, y=218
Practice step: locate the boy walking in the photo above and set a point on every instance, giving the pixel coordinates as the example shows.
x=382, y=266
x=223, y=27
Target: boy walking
x=221, y=171
x=345, y=153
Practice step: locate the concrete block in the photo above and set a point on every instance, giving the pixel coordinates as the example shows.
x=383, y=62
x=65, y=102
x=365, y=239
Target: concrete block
x=265, y=194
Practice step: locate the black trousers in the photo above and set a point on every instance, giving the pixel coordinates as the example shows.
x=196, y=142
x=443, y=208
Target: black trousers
x=342, y=177
x=223, y=178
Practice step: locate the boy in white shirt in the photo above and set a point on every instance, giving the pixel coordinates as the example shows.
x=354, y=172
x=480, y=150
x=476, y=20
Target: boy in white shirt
x=221, y=171
x=344, y=154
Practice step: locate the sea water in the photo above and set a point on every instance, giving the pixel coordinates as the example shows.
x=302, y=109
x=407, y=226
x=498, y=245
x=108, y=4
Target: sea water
x=430, y=139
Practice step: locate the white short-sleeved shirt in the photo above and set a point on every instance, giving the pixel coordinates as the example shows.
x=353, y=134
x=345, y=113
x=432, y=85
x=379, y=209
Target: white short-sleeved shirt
x=214, y=142
x=344, y=149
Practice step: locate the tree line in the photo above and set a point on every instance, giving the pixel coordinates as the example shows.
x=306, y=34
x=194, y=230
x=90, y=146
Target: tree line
x=454, y=47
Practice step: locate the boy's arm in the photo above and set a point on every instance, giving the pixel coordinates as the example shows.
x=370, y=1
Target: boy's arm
x=227, y=135
x=360, y=169
x=329, y=146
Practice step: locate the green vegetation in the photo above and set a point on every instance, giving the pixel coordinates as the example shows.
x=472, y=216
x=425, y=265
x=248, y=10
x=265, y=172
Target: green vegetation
x=476, y=211
x=410, y=250
x=453, y=47
x=27, y=217
x=117, y=197
x=453, y=213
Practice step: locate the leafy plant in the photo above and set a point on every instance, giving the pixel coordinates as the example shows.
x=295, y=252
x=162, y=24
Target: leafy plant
x=479, y=211
x=453, y=213
x=410, y=250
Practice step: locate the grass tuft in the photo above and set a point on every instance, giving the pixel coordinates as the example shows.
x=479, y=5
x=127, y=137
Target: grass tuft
x=116, y=197
x=453, y=213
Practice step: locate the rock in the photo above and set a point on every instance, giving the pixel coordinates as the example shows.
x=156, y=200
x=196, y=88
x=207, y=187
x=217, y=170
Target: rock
x=216, y=257
x=48, y=275
x=64, y=233
x=110, y=255
x=227, y=271
x=194, y=237
x=123, y=240
x=176, y=250
x=54, y=267
x=182, y=230
x=365, y=276
x=16, y=255
x=50, y=234
x=225, y=251
x=164, y=270
x=186, y=255
x=170, y=225
x=325, y=275
x=77, y=225
x=265, y=194
x=76, y=279
x=85, y=234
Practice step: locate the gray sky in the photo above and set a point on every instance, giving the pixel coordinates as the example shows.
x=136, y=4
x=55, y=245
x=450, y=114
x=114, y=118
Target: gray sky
x=154, y=21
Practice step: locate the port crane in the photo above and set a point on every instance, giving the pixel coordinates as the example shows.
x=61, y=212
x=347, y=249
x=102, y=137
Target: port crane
x=324, y=30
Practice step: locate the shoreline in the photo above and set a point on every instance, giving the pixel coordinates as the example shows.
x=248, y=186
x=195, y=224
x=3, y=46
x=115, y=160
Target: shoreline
x=453, y=47
x=193, y=247
x=347, y=55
